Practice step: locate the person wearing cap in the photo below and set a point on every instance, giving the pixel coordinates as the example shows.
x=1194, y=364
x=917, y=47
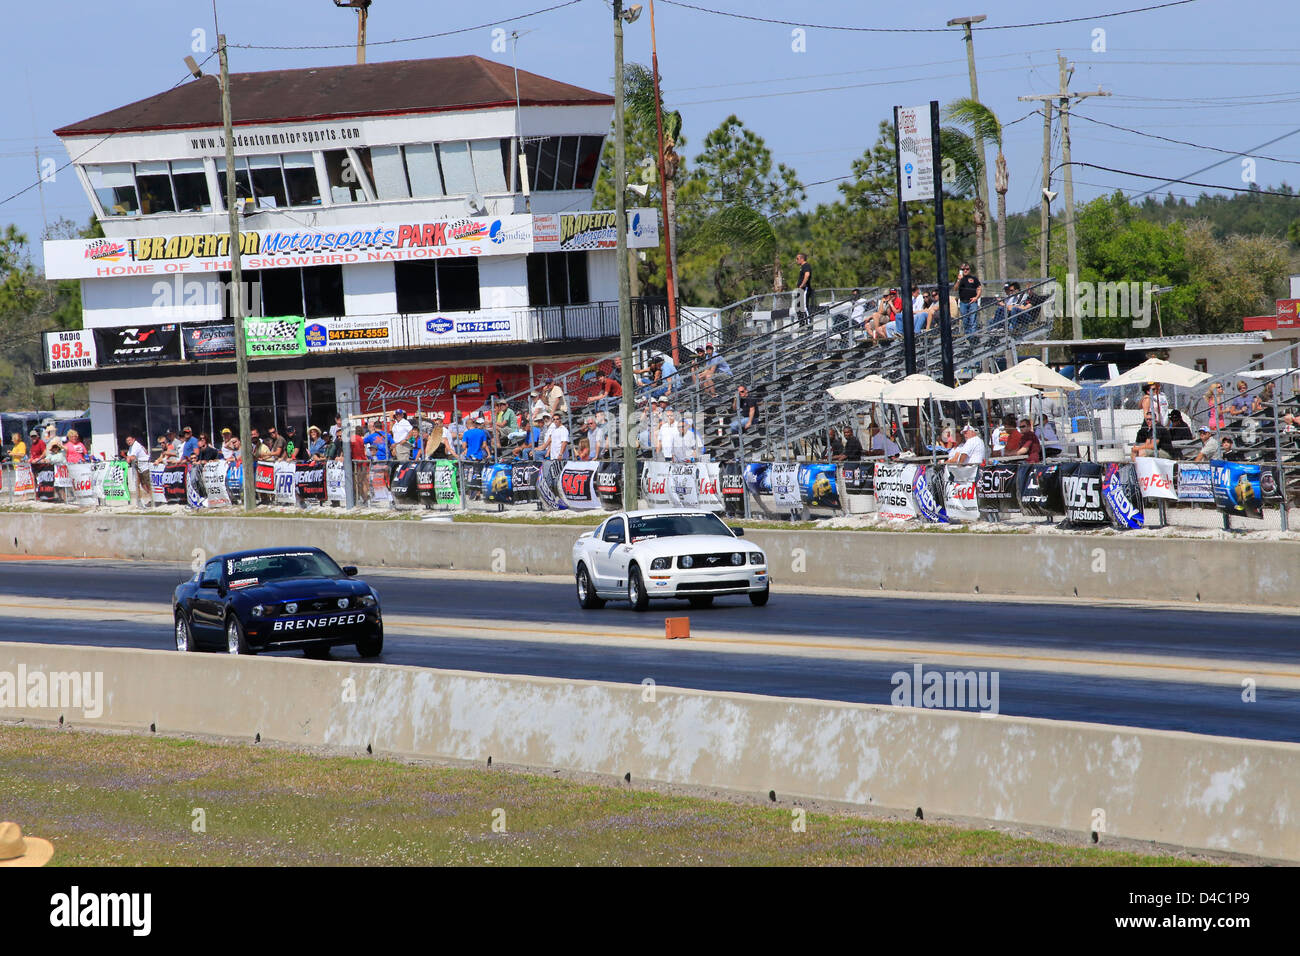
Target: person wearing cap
x=401, y=432
x=18, y=850
x=972, y=450
x=18, y=450
x=553, y=397
x=597, y=435
x=1209, y=445
x=376, y=442
x=533, y=440
x=686, y=444
x=476, y=441
x=188, y=443
x=36, y=451
x=228, y=445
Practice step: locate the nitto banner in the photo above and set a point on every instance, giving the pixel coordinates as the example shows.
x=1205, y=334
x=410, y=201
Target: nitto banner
x=1038, y=489
x=265, y=337
x=138, y=344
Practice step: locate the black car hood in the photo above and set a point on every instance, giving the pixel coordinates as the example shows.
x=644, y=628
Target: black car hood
x=304, y=589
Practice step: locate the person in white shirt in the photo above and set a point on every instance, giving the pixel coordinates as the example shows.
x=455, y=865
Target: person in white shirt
x=686, y=444
x=557, y=442
x=972, y=451
x=918, y=303
x=880, y=442
x=401, y=431
x=596, y=435
x=666, y=437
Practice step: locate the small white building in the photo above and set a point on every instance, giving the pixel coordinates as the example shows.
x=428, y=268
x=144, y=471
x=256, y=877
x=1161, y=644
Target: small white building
x=411, y=234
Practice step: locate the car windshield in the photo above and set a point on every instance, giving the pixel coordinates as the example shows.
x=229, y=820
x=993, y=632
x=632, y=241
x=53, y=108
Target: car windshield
x=646, y=527
x=260, y=568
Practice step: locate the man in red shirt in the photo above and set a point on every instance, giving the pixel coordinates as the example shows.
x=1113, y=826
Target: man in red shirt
x=1025, y=442
x=36, y=451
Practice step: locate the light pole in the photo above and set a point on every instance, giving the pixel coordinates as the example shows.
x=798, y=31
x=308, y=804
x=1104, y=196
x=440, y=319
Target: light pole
x=363, y=9
x=631, y=493
x=982, y=184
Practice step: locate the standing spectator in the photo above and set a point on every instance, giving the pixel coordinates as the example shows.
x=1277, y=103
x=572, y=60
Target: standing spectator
x=665, y=437
x=1154, y=400
x=972, y=450
x=1216, y=412
x=438, y=444
x=74, y=449
x=276, y=444
x=188, y=444
x=401, y=432
x=968, y=298
x=558, y=441
x=293, y=450
x=804, y=294
x=204, y=452
x=746, y=409
x=228, y=444
x=36, y=451
x=315, y=444
x=337, y=429
x=476, y=441
x=553, y=397
x=54, y=453
x=137, y=458
x=686, y=444
x=598, y=435
x=376, y=442
x=357, y=444
x=18, y=451
x=1240, y=405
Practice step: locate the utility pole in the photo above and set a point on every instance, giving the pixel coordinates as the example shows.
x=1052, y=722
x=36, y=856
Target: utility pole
x=631, y=491
x=236, y=296
x=1044, y=206
x=670, y=278
x=982, y=184
x=1063, y=99
x=363, y=9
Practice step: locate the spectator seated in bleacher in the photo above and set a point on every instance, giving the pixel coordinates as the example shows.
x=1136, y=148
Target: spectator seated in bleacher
x=1179, y=431
x=1147, y=445
x=972, y=450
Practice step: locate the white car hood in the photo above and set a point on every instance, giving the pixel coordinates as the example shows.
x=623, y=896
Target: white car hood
x=692, y=544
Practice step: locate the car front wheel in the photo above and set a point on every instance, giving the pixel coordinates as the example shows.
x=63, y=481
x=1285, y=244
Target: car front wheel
x=371, y=646
x=236, y=643
x=636, y=592
x=587, y=599
x=184, y=636
x=759, y=598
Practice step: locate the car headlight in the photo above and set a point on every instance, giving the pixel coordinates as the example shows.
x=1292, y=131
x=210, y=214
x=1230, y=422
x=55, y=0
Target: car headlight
x=686, y=561
x=366, y=600
x=660, y=564
x=756, y=557
x=737, y=558
x=260, y=610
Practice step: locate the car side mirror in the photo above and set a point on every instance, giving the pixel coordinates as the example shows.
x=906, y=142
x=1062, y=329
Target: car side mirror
x=350, y=570
x=738, y=532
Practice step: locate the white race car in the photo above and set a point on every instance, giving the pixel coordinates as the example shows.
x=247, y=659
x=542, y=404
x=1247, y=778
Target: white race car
x=638, y=556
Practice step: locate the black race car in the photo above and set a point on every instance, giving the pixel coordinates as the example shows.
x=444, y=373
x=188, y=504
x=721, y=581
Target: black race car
x=277, y=599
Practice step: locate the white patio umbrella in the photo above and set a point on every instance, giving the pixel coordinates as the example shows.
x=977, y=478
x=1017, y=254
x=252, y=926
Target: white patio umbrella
x=916, y=389
x=1031, y=371
x=986, y=385
x=1158, y=370
x=863, y=390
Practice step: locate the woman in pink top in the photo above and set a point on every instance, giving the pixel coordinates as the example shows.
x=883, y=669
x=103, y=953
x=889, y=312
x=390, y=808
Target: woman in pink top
x=76, y=451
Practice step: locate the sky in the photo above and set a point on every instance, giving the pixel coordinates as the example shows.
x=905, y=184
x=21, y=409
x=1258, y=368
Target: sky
x=1212, y=73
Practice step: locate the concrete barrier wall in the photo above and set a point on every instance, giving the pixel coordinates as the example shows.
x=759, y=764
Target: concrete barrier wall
x=1254, y=573
x=1202, y=792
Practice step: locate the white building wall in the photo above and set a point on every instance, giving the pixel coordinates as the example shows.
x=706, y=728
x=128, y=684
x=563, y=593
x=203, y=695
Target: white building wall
x=503, y=282
x=149, y=300
x=104, y=438
x=369, y=288
x=602, y=275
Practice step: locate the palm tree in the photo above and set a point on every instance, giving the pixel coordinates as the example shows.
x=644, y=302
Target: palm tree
x=983, y=123
x=640, y=102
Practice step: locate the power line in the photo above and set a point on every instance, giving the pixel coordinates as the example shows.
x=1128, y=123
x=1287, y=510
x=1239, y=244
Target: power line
x=854, y=29
x=1183, y=142
x=427, y=36
x=1185, y=182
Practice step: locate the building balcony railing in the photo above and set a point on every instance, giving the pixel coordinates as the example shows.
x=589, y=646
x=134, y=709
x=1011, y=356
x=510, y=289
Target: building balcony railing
x=181, y=342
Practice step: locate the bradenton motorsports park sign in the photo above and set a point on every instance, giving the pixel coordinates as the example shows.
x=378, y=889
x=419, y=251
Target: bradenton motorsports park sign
x=512, y=235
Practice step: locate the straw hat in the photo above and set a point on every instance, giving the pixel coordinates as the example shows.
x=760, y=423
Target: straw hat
x=17, y=850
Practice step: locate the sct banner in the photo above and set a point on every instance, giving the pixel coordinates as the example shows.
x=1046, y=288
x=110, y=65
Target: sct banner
x=893, y=486
x=309, y=479
x=1038, y=490
x=523, y=480
x=1195, y=481
x=285, y=480
x=995, y=489
x=683, y=485
x=1081, y=493
x=267, y=337
x=498, y=483
x=784, y=477
x=1156, y=478
x=1122, y=496
x=1240, y=490
x=113, y=483
x=819, y=485
x=577, y=485
x=959, y=496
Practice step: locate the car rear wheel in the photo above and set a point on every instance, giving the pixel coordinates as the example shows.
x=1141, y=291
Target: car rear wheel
x=371, y=646
x=184, y=636
x=587, y=599
x=702, y=600
x=236, y=643
x=759, y=598
x=636, y=592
